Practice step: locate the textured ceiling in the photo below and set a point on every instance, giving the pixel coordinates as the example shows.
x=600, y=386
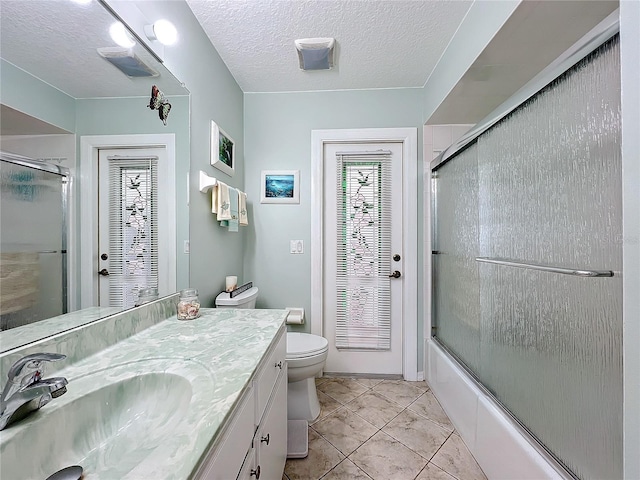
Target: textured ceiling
x=380, y=43
x=56, y=41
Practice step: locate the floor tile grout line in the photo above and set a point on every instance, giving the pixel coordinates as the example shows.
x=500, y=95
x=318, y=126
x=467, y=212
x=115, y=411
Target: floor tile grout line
x=362, y=443
x=339, y=401
x=450, y=430
x=342, y=461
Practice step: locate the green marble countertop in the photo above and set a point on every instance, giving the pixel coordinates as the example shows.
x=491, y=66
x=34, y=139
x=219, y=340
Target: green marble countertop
x=210, y=359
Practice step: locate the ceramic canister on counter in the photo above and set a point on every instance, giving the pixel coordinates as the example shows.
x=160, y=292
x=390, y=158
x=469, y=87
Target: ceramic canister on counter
x=188, y=304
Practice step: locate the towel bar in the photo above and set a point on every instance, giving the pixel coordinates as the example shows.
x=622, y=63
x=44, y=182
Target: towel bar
x=207, y=182
x=547, y=268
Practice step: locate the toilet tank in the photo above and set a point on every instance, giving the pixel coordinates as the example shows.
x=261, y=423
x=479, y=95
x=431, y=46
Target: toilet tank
x=244, y=300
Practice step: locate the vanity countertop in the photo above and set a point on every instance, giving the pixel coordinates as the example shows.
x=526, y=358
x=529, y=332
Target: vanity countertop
x=216, y=353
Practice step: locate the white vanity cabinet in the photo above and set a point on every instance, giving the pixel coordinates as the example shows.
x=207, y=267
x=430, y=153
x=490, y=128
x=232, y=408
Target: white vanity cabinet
x=253, y=441
x=269, y=451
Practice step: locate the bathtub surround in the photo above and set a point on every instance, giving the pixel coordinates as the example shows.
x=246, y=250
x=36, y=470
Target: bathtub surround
x=547, y=200
x=211, y=376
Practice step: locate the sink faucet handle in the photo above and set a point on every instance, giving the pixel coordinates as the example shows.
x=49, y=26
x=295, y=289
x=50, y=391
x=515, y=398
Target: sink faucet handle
x=32, y=363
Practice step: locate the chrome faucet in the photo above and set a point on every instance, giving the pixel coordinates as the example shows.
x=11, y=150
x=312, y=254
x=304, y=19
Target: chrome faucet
x=26, y=390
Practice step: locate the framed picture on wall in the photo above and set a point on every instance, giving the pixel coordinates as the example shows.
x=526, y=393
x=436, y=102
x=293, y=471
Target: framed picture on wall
x=223, y=150
x=280, y=186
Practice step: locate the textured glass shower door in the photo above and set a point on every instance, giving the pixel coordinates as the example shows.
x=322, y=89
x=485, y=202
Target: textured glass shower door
x=32, y=249
x=542, y=187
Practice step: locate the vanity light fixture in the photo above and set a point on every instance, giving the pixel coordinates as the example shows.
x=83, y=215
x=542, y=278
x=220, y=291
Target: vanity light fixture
x=163, y=31
x=120, y=35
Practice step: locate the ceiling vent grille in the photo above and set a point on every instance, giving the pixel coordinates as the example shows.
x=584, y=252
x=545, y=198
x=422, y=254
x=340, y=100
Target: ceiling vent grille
x=316, y=53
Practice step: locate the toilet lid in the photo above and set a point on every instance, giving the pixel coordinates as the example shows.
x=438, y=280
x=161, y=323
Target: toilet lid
x=305, y=345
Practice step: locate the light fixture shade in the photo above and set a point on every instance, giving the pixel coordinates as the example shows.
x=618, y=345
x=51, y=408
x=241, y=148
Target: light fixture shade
x=316, y=53
x=162, y=30
x=120, y=35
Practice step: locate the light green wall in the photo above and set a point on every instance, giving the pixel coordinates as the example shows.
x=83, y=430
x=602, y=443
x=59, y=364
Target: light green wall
x=215, y=95
x=26, y=93
x=121, y=116
x=278, y=137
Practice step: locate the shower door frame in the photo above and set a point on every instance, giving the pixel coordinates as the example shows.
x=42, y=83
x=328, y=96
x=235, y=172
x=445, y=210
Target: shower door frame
x=65, y=173
x=508, y=433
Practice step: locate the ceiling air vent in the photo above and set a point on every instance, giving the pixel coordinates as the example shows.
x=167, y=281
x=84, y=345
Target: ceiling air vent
x=315, y=53
x=127, y=62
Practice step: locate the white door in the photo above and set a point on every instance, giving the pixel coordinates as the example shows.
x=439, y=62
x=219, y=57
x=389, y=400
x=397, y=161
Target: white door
x=362, y=257
x=130, y=224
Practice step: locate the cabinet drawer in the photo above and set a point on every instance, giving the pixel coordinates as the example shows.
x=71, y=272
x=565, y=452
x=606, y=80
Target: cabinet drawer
x=268, y=374
x=229, y=454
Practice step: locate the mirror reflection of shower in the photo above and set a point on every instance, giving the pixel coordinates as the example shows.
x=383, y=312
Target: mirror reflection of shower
x=33, y=234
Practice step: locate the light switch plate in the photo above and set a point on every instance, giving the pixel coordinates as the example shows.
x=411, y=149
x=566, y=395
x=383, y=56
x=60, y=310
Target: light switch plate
x=296, y=247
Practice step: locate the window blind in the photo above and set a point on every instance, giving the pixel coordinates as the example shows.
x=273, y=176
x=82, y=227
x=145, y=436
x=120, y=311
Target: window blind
x=133, y=228
x=363, y=314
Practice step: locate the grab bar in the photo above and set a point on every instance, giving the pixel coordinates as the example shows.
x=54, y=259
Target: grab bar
x=547, y=268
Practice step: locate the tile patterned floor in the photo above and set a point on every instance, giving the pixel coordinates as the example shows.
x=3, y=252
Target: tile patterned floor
x=373, y=429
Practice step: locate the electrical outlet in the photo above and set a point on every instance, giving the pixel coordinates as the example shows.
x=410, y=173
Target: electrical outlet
x=296, y=247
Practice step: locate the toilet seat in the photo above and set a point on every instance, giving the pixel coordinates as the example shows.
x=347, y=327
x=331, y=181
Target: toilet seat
x=304, y=345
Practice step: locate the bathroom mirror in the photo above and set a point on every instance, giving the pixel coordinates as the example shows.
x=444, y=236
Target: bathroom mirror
x=56, y=89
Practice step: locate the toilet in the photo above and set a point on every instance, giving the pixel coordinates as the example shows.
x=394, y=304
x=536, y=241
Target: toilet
x=243, y=300
x=306, y=356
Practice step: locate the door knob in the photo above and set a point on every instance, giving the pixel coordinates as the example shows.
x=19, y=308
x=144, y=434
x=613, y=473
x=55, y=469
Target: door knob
x=395, y=274
x=104, y=272
x=104, y=256
x=396, y=258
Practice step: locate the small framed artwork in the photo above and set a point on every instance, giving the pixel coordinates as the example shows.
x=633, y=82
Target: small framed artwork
x=280, y=186
x=223, y=150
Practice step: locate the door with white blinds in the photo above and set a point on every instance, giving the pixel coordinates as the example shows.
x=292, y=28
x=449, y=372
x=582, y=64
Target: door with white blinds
x=128, y=227
x=362, y=257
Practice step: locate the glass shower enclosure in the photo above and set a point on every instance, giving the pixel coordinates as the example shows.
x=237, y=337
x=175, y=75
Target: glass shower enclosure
x=33, y=236
x=527, y=264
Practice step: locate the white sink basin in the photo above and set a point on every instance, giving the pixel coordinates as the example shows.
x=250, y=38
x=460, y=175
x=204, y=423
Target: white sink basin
x=105, y=423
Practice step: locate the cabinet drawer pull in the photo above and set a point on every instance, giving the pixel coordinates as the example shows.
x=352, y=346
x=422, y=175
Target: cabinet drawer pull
x=279, y=365
x=256, y=472
x=265, y=439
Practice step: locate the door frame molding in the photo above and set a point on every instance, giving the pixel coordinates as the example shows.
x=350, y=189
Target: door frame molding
x=409, y=139
x=89, y=147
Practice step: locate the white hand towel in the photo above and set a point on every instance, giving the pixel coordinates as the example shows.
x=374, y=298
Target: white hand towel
x=224, y=212
x=242, y=208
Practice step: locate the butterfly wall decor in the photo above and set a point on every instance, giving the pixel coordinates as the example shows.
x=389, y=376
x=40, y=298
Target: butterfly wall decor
x=158, y=102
